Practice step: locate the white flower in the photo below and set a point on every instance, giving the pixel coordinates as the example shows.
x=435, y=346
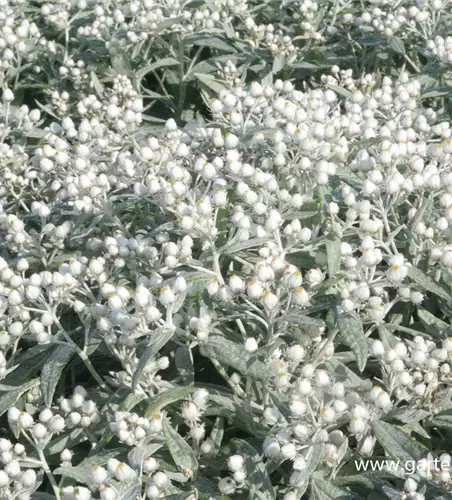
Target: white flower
x=99, y=474
x=124, y=472
x=226, y=486
x=190, y=411
x=357, y=425
x=25, y=420
x=301, y=296
x=236, y=284
x=254, y=290
x=7, y=95
x=271, y=448
x=236, y=463
x=166, y=296
x=251, y=345
x=108, y=493
x=150, y=464
x=160, y=479
x=270, y=300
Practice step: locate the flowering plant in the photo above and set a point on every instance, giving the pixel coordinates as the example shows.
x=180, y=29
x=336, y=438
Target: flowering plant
x=225, y=249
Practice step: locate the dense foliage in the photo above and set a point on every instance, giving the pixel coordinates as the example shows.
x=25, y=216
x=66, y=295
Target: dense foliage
x=225, y=249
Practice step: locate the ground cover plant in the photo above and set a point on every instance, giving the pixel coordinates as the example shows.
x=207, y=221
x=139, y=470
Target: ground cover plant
x=225, y=249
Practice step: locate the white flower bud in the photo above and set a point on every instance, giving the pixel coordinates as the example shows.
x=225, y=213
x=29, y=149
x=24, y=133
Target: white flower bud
x=25, y=420
x=99, y=474
x=189, y=411
x=8, y=95
x=235, y=463
x=251, y=345
x=150, y=464
x=160, y=479
x=124, y=472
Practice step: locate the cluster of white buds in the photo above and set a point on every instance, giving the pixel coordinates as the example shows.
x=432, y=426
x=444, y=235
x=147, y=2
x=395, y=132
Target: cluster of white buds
x=75, y=493
x=229, y=73
x=110, y=480
x=410, y=488
x=15, y=481
x=133, y=429
x=441, y=48
x=20, y=39
x=47, y=424
x=261, y=240
x=124, y=26
x=274, y=40
x=57, y=13
x=192, y=411
x=74, y=70
x=60, y=102
x=414, y=369
x=388, y=19
x=23, y=293
x=80, y=411
x=236, y=466
x=427, y=468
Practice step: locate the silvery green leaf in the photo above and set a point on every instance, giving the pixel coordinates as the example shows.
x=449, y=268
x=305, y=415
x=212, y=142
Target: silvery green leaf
x=304, y=65
x=348, y=377
x=178, y=303
x=27, y=364
x=130, y=493
x=181, y=452
x=387, y=338
x=180, y=496
x=131, y=401
x=352, y=335
x=333, y=253
x=396, y=443
x=166, y=61
x=278, y=63
x=120, y=62
x=323, y=490
x=442, y=419
x=257, y=473
x=396, y=44
x=52, y=369
x=209, y=41
x=224, y=406
x=217, y=433
x=282, y=403
x=58, y=444
x=210, y=82
x=9, y=399
x=428, y=283
x=315, y=455
x=301, y=319
x=167, y=397
x=408, y=415
x=138, y=454
x=83, y=471
x=341, y=91
x=244, y=418
x=242, y=245
x=206, y=488
x=417, y=428
x=98, y=87
x=184, y=364
x=441, y=92
x=231, y=354
x=431, y=320
x=157, y=340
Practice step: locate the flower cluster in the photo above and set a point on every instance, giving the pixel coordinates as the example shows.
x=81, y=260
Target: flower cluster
x=225, y=249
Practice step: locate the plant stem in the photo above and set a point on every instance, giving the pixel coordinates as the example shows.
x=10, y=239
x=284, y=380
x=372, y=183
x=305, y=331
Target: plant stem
x=48, y=472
